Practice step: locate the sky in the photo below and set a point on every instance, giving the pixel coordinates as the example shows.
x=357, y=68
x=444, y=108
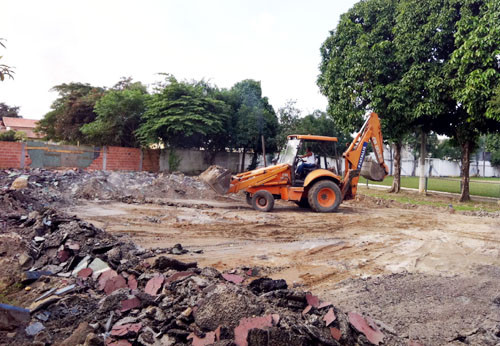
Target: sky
x=223, y=41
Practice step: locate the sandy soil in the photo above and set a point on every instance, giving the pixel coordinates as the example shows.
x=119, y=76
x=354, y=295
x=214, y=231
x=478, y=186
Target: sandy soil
x=428, y=274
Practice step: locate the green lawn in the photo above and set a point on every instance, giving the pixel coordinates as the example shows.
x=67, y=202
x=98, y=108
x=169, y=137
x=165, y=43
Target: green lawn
x=488, y=187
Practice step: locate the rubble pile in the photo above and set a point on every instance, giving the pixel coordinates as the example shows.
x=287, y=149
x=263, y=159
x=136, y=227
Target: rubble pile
x=80, y=285
x=54, y=186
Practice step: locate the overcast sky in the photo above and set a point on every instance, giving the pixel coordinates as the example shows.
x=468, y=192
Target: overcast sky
x=224, y=41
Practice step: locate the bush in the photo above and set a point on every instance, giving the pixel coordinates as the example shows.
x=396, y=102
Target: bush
x=12, y=136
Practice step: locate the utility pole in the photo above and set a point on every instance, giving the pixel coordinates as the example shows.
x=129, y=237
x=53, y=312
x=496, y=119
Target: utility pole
x=421, y=182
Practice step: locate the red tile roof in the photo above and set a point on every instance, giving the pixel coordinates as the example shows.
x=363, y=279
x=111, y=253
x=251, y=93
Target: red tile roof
x=19, y=122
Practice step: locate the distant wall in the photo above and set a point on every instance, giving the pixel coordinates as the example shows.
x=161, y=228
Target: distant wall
x=42, y=155
x=196, y=161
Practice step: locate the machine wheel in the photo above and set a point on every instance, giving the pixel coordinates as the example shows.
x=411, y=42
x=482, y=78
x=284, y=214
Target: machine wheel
x=324, y=196
x=303, y=203
x=248, y=199
x=263, y=201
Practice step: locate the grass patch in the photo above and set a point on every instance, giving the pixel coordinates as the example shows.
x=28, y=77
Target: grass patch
x=487, y=187
x=4, y=294
x=435, y=201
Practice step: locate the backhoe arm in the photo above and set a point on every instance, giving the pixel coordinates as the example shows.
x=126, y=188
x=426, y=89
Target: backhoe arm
x=355, y=156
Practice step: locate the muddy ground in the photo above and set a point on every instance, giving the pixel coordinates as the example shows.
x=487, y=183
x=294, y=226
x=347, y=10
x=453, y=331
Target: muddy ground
x=430, y=274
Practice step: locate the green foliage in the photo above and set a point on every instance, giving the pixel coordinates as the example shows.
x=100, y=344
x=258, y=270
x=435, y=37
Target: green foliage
x=183, y=114
x=475, y=64
x=254, y=116
x=70, y=111
x=447, y=149
x=289, y=118
x=5, y=70
x=12, y=136
x=360, y=70
x=119, y=114
x=492, y=145
x=7, y=111
x=174, y=160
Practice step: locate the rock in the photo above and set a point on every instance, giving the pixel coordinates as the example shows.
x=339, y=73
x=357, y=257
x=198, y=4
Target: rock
x=79, y=335
x=81, y=265
x=164, y=263
x=114, y=283
x=147, y=337
x=154, y=284
x=24, y=260
x=129, y=304
x=34, y=328
x=264, y=285
x=33, y=275
x=114, y=255
x=93, y=340
x=12, y=317
x=85, y=273
x=235, y=279
x=20, y=183
x=126, y=330
x=98, y=267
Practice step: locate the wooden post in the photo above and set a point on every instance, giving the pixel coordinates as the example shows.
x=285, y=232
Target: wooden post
x=263, y=150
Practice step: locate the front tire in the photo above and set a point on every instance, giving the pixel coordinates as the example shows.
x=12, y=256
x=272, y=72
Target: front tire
x=263, y=201
x=324, y=196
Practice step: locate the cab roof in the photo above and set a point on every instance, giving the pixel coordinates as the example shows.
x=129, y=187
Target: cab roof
x=314, y=138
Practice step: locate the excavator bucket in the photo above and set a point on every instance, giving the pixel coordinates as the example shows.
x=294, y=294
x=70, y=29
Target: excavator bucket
x=372, y=170
x=217, y=178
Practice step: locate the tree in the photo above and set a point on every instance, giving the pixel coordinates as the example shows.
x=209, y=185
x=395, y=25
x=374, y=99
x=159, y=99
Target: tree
x=119, y=114
x=447, y=149
x=70, y=111
x=289, y=118
x=183, y=114
x=5, y=70
x=7, y=111
x=493, y=146
x=360, y=71
x=255, y=117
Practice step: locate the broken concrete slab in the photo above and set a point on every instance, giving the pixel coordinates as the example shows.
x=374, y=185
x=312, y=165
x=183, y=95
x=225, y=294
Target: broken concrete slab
x=34, y=328
x=154, y=284
x=236, y=279
x=12, y=316
x=85, y=273
x=329, y=317
x=33, y=275
x=241, y=331
x=104, y=277
x=43, y=303
x=114, y=283
x=81, y=265
x=366, y=326
x=126, y=330
x=132, y=282
x=129, y=304
x=20, y=183
x=98, y=267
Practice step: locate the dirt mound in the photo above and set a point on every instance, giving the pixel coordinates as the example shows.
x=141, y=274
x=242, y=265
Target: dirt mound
x=85, y=285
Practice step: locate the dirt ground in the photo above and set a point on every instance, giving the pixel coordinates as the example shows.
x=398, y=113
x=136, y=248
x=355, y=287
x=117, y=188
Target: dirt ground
x=427, y=273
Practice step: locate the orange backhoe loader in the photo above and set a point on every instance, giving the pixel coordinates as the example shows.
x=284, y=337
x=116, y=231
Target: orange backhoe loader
x=318, y=185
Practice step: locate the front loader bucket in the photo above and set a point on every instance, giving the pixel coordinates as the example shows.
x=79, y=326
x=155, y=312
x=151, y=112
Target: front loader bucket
x=372, y=170
x=217, y=178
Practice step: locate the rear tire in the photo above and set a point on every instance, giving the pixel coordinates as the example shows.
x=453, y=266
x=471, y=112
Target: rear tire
x=324, y=196
x=263, y=201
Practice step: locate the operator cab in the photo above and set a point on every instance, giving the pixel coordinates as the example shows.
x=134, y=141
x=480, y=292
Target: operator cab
x=323, y=148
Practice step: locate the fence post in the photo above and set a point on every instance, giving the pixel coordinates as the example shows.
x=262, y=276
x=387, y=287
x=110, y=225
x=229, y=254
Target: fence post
x=104, y=157
x=367, y=184
x=426, y=183
x=23, y=155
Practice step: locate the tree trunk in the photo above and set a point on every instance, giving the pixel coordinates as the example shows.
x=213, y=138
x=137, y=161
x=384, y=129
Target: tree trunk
x=396, y=182
x=464, y=193
x=421, y=181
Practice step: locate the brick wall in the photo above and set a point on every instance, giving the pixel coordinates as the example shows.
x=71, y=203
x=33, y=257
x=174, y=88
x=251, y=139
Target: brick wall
x=151, y=160
x=108, y=158
x=126, y=159
x=10, y=155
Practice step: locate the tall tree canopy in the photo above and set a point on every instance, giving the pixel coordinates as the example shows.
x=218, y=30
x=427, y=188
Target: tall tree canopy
x=70, y=111
x=183, y=114
x=361, y=71
x=8, y=111
x=254, y=117
x=119, y=115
